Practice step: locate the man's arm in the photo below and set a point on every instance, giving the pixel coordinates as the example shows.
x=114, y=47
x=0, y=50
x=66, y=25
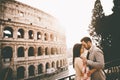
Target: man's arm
x=99, y=63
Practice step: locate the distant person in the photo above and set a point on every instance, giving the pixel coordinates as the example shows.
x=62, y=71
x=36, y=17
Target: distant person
x=82, y=71
x=95, y=59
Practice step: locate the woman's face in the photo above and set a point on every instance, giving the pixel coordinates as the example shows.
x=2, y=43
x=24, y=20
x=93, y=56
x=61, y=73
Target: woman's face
x=82, y=49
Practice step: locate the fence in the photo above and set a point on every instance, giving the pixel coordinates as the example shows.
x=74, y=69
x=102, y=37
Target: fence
x=112, y=71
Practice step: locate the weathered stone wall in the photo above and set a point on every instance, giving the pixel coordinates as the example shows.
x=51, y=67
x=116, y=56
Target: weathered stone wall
x=24, y=29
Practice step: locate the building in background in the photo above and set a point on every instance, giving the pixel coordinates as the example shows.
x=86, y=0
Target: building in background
x=31, y=41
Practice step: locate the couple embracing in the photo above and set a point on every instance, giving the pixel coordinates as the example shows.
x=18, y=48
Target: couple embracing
x=90, y=65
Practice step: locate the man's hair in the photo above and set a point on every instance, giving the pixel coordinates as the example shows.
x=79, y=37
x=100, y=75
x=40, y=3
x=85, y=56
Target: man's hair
x=86, y=39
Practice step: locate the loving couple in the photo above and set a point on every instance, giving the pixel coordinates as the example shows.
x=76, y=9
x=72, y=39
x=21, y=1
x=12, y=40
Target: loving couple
x=90, y=65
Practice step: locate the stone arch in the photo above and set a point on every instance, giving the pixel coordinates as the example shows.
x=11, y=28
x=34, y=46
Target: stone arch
x=31, y=34
x=61, y=63
x=53, y=64
x=7, y=53
x=8, y=32
x=20, y=52
x=64, y=62
x=40, y=51
x=47, y=65
x=20, y=33
x=39, y=35
x=20, y=72
x=51, y=37
x=52, y=51
x=46, y=51
x=46, y=36
x=40, y=68
x=57, y=50
x=31, y=51
x=31, y=70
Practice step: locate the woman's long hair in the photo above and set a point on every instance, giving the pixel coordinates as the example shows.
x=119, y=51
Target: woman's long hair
x=76, y=51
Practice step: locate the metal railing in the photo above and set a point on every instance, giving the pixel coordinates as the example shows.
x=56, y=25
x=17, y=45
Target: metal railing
x=70, y=77
x=112, y=71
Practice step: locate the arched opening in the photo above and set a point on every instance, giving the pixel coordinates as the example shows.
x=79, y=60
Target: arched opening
x=31, y=51
x=47, y=65
x=30, y=34
x=46, y=51
x=64, y=62
x=39, y=36
x=57, y=64
x=20, y=33
x=40, y=68
x=20, y=72
x=7, y=54
x=56, y=50
x=8, y=32
x=53, y=64
x=61, y=63
x=52, y=51
x=45, y=36
x=20, y=52
x=31, y=70
x=51, y=37
x=39, y=51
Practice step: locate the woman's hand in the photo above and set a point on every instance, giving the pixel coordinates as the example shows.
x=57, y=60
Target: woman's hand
x=90, y=72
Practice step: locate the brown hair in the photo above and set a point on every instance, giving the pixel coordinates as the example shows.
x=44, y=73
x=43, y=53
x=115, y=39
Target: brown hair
x=86, y=39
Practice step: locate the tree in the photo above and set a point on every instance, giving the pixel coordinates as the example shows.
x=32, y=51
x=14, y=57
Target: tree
x=106, y=29
x=97, y=15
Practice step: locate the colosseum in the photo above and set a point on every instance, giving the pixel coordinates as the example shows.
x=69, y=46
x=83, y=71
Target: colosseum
x=31, y=41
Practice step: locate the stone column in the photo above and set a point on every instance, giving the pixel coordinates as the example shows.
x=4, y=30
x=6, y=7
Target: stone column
x=26, y=71
x=35, y=51
x=26, y=34
x=26, y=50
x=14, y=52
x=14, y=73
x=15, y=30
x=0, y=56
x=44, y=68
x=36, y=69
x=35, y=35
x=1, y=31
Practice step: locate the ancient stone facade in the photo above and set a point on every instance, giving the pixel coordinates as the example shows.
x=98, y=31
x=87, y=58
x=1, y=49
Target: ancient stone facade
x=31, y=41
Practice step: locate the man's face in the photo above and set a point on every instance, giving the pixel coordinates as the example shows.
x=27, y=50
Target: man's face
x=86, y=45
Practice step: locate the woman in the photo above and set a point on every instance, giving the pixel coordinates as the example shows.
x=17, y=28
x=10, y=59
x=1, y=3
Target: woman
x=82, y=71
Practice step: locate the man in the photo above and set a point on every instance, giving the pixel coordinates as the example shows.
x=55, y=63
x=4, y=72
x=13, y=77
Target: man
x=95, y=59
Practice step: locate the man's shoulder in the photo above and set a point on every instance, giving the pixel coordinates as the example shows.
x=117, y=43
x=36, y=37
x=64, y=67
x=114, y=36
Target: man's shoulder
x=97, y=49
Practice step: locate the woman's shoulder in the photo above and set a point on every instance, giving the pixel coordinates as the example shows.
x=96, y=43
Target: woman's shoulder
x=84, y=54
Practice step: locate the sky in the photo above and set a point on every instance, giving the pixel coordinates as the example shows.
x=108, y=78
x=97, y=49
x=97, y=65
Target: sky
x=74, y=15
